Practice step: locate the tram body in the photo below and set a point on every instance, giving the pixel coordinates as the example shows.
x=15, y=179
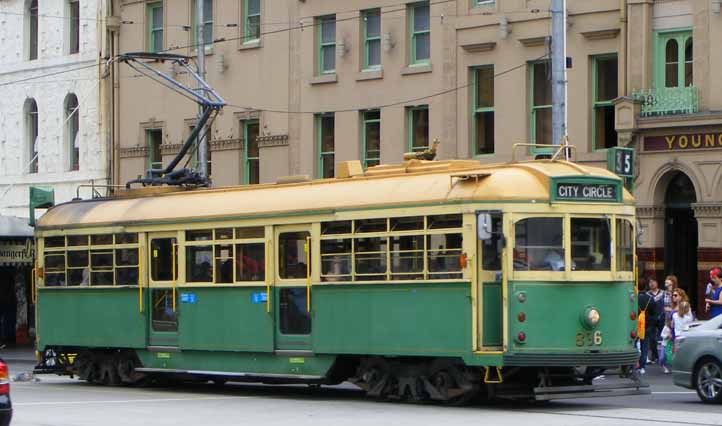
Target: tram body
x=426, y=280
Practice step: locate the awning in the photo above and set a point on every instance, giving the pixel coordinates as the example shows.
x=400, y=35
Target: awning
x=14, y=227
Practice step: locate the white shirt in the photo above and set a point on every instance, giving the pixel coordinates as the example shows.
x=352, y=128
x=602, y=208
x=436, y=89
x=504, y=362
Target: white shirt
x=681, y=323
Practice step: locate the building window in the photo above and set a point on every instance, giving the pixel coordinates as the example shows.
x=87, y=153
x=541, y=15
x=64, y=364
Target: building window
x=676, y=50
x=33, y=24
x=372, y=39
x=31, y=123
x=604, y=90
x=154, y=139
x=155, y=27
x=72, y=127
x=251, y=21
x=251, y=158
x=541, y=103
x=483, y=111
x=74, y=26
x=325, y=145
x=420, y=33
x=326, y=44
x=477, y=3
x=371, y=138
x=207, y=23
x=417, y=127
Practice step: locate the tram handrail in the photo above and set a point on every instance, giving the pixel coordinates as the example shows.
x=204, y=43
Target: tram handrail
x=559, y=149
x=307, y=249
x=268, y=278
x=173, y=273
x=141, y=273
x=33, y=287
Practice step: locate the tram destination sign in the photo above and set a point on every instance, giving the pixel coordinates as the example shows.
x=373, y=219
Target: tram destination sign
x=586, y=189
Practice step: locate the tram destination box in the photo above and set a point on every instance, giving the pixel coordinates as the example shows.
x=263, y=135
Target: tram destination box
x=581, y=189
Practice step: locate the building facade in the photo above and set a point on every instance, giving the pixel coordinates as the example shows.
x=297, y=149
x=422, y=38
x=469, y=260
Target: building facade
x=312, y=83
x=50, y=114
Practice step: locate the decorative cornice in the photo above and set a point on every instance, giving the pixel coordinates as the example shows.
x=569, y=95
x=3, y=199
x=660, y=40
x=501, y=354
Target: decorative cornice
x=247, y=115
x=533, y=41
x=707, y=210
x=650, y=212
x=226, y=144
x=170, y=148
x=272, y=140
x=479, y=47
x=601, y=34
x=135, y=151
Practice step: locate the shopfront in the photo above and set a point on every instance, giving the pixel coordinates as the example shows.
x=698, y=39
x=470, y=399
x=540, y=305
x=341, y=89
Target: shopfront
x=17, y=253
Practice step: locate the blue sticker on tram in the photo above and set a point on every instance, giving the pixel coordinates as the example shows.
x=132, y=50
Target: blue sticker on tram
x=188, y=298
x=257, y=298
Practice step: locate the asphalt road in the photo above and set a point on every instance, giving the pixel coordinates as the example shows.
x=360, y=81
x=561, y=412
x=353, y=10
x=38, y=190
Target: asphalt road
x=61, y=401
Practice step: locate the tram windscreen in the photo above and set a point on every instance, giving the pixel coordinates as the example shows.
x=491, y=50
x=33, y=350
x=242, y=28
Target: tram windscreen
x=591, y=244
x=539, y=244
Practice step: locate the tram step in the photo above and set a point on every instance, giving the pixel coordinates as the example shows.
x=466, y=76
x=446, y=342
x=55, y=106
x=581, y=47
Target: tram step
x=590, y=391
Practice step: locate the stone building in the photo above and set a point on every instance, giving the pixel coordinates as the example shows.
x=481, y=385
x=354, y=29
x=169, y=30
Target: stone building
x=50, y=112
x=315, y=82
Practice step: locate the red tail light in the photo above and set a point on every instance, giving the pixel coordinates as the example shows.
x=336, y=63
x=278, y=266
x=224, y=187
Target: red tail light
x=521, y=317
x=521, y=337
x=632, y=315
x=633, y=334
x=4, y=379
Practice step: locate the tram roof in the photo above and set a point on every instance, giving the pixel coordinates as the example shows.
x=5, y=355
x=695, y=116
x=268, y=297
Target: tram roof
x=412, y=183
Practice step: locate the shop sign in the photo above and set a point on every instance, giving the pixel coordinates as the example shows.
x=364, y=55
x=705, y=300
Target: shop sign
x=582, y=189
x=17, y=253
x=683, y=142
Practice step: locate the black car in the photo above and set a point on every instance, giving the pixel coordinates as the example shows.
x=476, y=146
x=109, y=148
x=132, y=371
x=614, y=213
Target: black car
x=6, y=408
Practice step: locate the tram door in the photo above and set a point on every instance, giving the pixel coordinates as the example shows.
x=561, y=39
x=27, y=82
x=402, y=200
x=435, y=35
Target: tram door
x=162, y=281
x=491, y=305
x=292, y=288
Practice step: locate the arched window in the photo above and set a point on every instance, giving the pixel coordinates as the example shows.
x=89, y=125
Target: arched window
x=676, y=63
x=671, y=66
x=688, y=60
x=33, y=24
x=72, y=127
x=31, y=132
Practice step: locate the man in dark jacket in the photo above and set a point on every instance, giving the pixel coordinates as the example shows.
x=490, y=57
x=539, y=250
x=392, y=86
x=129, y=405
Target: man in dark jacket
x=647, y=304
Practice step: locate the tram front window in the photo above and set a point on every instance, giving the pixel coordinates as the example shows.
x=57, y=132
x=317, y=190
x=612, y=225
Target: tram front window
x=591, y=244
x=539, y=244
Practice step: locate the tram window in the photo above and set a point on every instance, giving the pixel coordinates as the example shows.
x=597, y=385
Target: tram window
x=444, y=221
x=162, y=251
x=370, y=258
x=336, y=227
x=126, y=238
x=625, y=245
x=101, y=259
x=77, y=240
x=51, y=242
x=407, y=223
x=199, y=264
x=294, y=317
x=539, y=244
x=224, y=234
x=78, y=276
x=407, y=257
x=224, y=263
x=492, y=248
x=126, y=257
x=591, y=244
x=163, y=317
x=55, y=269
x=101, y=240
x=371, y=225
x=336, y=260
x=292, y=259
x=250, y=262
x=126, y=276
x=203, y=235
x=101, y=266
x=443, y=255
x=253, y=232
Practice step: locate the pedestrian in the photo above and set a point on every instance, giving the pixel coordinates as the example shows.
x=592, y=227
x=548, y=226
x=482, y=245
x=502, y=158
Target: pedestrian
x=670, y=284
x=714, y=300
x=655, y=322
x=710, y=284
x=647, y=315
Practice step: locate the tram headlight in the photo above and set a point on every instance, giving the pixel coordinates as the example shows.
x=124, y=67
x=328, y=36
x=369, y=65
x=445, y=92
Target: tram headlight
x=591, y=317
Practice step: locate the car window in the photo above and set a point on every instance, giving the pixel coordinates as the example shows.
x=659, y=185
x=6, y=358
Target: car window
x=713, y=324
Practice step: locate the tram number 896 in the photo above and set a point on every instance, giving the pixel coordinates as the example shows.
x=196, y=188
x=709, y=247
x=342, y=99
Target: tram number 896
x=591, y=339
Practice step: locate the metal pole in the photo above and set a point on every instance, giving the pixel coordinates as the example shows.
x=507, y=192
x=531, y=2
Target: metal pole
x=201, y=49
x=559, y=71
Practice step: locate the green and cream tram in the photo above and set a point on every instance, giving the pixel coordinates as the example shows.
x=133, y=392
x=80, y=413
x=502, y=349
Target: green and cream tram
x=425, y=280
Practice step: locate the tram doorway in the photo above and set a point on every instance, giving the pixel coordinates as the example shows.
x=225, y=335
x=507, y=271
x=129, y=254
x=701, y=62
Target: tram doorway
x=8, y=305
x=680, y=235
